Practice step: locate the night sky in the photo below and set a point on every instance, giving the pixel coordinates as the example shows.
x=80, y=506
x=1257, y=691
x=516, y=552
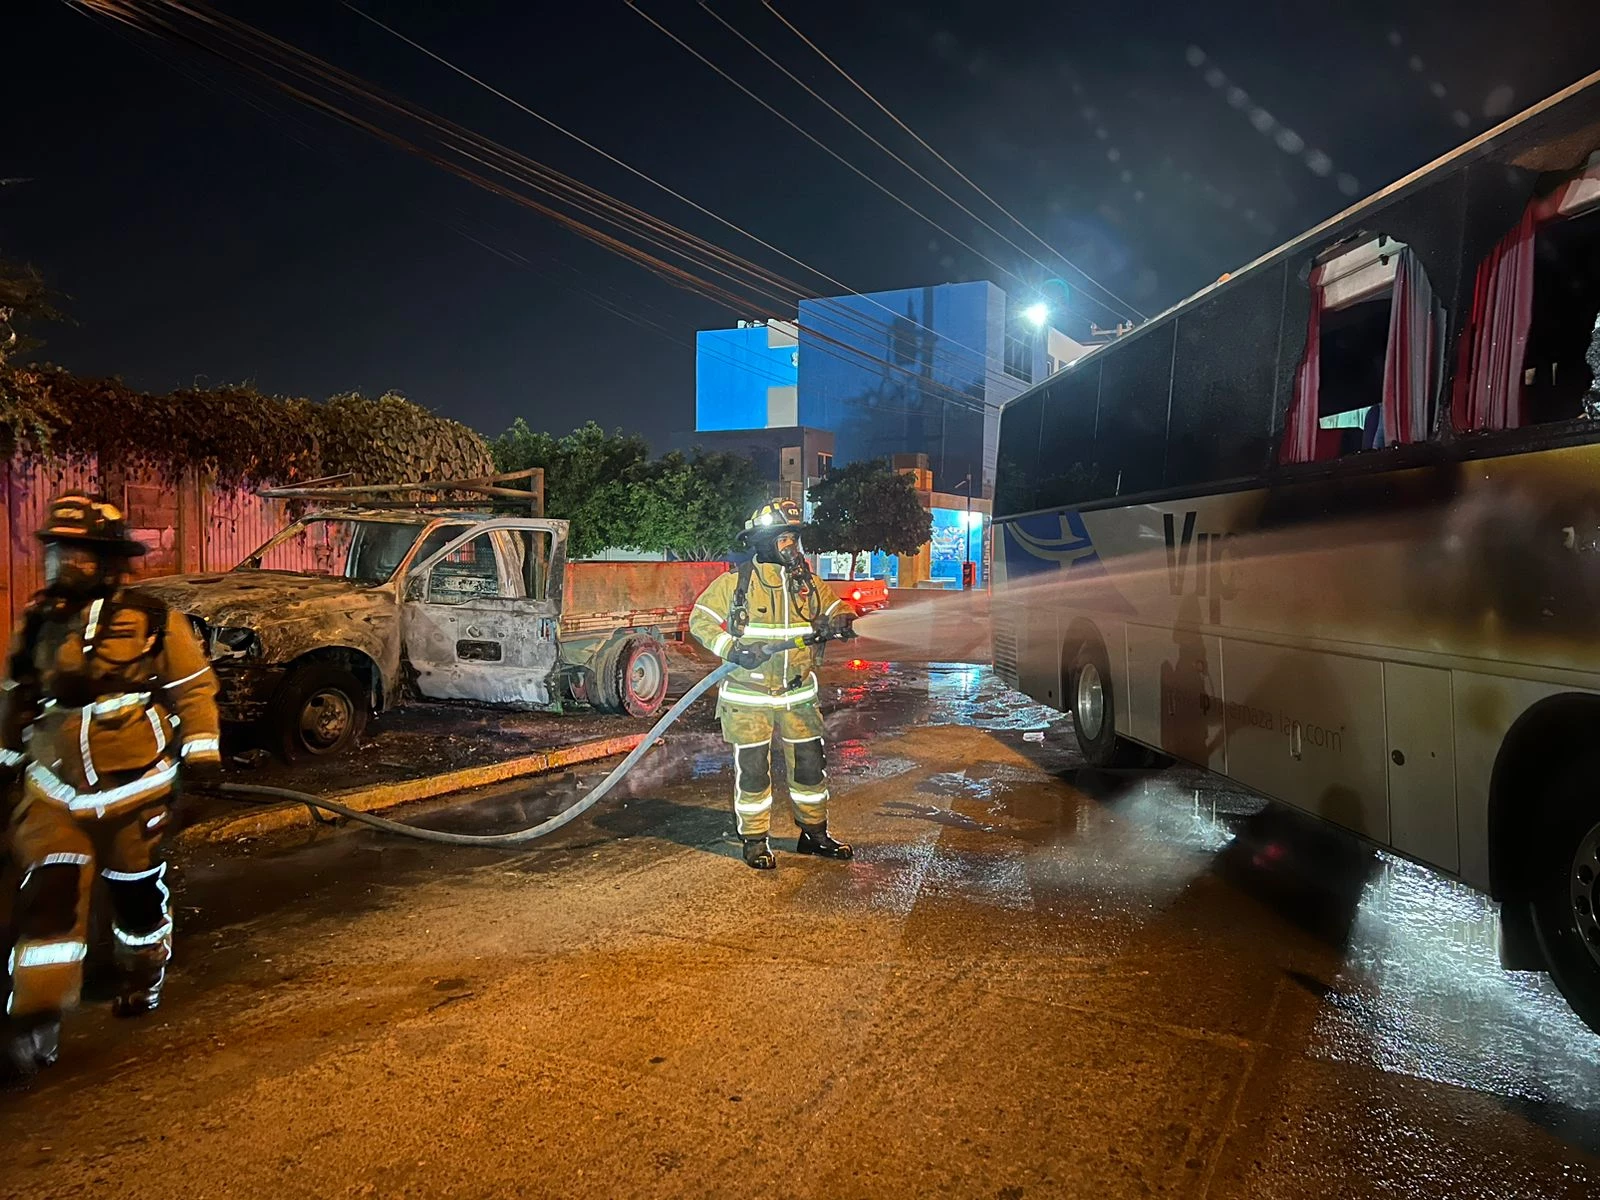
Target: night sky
x=206, y=230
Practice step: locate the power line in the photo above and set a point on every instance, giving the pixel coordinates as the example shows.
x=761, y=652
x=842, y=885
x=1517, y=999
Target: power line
x=848, y=120
x=826, y=149
x=335, y=77
x=947, y=163
x=609, y=157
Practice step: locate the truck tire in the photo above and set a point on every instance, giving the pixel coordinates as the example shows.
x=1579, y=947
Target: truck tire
x=632, y=677
x=320, y=711
x=1564, y=878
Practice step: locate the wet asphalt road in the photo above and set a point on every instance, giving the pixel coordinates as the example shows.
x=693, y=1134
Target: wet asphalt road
x=1035, y=980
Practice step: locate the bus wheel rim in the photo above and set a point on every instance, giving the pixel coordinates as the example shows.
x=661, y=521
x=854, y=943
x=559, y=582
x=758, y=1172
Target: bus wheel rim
x=1584, y=884
x=1089, y=707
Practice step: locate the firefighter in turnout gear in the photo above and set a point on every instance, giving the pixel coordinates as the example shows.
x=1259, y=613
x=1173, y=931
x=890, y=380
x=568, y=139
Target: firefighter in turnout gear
x=772, y=598
x=107, y=695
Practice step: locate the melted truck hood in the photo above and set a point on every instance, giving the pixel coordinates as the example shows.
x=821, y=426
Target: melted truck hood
x=260, y=600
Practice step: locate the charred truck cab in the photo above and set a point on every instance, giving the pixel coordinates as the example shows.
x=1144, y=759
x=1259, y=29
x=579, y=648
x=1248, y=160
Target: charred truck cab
x=355, y=609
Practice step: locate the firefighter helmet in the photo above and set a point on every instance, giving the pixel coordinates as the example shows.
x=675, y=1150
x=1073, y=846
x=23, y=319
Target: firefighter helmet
x=774, y=517
x=89, y=521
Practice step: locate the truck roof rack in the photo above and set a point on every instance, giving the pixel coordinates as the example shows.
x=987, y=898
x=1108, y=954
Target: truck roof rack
x=428, y=493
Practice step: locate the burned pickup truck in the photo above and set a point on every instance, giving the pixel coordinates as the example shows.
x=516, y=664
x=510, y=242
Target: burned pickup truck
x=353, y=610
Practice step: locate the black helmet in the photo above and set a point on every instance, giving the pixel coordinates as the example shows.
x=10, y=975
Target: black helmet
x=89, y=521
x=767, y=522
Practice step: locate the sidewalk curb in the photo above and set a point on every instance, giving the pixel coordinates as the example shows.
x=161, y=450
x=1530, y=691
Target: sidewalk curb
x=271, y=818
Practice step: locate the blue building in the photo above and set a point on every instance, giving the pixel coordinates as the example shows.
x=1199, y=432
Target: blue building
x=911, y=371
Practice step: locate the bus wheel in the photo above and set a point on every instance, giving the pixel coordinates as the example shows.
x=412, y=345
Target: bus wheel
x=1566, y=890
x=1093, y=707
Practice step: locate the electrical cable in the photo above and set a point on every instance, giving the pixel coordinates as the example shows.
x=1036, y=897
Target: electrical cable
x=826, y=149
x=630, y=168
x=883, y=108
x=306, y=65
x=850, y=121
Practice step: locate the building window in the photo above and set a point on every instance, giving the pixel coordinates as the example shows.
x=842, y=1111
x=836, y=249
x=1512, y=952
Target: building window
x=1019, y=348
x=824, y=462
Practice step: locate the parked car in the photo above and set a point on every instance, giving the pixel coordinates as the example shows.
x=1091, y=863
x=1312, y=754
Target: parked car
x=355, y=610
x=863, y=595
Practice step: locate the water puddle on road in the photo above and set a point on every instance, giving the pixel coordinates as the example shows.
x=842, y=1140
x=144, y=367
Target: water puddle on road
x=1423, y=994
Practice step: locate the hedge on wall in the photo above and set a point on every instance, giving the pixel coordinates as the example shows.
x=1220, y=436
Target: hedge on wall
x=242, y=438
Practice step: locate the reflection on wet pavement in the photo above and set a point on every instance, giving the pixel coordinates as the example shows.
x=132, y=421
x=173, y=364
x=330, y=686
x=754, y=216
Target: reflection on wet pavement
x=1035, y=979
x=1423, y=993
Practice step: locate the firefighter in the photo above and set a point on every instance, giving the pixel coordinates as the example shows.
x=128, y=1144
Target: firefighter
x=772, y=597
x=107, y=696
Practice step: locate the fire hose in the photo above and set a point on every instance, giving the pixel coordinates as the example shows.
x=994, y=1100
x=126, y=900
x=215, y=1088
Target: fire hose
x=565, y=816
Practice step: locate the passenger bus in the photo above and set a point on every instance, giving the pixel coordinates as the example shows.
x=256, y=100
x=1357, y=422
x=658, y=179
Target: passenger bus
x=1331, y=528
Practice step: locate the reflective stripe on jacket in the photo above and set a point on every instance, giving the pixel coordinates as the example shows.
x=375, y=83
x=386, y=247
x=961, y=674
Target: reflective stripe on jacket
x=111, y=690
x=786, y=679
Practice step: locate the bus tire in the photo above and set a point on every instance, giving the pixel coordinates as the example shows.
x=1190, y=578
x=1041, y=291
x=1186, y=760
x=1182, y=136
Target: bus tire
x=1564, y=878
x=1092, y=703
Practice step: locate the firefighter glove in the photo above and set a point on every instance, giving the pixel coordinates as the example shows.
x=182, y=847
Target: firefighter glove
x=749, y=655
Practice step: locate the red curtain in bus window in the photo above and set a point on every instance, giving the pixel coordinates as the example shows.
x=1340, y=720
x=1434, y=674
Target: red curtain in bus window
x=1489, y=389
x=1408, y=365
x=1300, y=428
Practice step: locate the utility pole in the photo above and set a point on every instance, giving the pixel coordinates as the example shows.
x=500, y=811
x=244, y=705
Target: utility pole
x=966, y=565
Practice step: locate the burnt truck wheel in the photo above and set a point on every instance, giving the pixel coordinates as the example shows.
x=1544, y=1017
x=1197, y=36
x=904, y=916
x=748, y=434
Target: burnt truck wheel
x=1565, y=878
x=632, y=677
x=319, y=712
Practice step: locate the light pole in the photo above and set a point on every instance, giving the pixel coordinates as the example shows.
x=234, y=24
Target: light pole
x=967, y=562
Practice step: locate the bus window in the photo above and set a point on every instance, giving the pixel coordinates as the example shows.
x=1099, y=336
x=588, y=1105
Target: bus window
x=1530, y=349
x=1135, y=388
x=1222, y=383
x=1069, y=457
x=1016, y=471
x=1373, y=347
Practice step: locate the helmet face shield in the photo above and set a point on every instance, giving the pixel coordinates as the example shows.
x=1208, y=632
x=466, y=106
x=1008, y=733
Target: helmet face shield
x=77, y=569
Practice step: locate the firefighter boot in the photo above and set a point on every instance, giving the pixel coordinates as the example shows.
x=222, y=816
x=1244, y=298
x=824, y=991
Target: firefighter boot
x=30, y=1045
x=139, y=991
x=758, y=854
x=816, y=841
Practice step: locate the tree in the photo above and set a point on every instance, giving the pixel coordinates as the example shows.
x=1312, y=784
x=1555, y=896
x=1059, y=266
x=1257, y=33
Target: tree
x=694, y=507
x=24, y=298
x=589, y=476
x=867, y=506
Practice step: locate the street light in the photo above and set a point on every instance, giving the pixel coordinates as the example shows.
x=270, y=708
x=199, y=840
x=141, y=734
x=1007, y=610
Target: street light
x=1037, y=314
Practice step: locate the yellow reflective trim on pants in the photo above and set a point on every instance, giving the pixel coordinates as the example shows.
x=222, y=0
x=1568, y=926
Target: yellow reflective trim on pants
x=801, y=695
x=752, y=808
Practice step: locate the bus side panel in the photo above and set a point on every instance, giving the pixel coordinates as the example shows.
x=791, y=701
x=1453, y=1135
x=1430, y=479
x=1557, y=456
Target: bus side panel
x=1485, y=709
x=1307, y=728
x=1038, y=654
x=1174, y=694
x=1420, y=719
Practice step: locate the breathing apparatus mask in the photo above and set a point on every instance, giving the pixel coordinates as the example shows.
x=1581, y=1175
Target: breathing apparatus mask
x=74, y=570
x=781, y=548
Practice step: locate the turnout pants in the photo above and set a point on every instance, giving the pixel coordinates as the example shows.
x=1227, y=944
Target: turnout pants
x=58, y=851
x=749, y=731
